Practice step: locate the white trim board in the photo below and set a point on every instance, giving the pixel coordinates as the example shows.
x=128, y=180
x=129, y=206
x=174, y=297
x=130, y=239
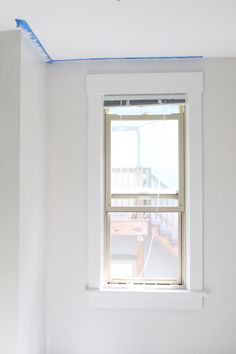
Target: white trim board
x=163, y=83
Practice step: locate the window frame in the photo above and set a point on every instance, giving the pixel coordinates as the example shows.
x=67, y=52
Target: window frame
x=180, y=208
x=189, y=84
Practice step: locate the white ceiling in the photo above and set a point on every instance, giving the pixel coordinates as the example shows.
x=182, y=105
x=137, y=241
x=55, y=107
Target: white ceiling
x=111, y=28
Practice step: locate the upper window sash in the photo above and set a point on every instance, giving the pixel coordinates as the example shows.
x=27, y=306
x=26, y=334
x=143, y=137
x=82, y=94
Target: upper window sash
x=153, y=194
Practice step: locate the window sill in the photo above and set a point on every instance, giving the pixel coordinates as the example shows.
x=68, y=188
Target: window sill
x=163, y=299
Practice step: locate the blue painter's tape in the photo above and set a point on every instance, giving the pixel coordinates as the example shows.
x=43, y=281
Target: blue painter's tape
x=24, y=26
x=127, y=58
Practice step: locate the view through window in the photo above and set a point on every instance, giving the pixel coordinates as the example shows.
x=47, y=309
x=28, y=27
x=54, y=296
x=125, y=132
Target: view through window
x=144, y=190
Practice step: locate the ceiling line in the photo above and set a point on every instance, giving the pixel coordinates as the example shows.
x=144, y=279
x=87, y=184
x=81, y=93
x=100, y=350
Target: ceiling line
x=23, y=25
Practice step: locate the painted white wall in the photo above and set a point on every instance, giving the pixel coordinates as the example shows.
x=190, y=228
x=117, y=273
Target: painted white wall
x=32, y=200
x=9, y=189
x=22, y=192
x=73, y=327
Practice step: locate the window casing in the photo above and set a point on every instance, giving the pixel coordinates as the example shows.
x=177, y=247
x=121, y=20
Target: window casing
x=191, y=295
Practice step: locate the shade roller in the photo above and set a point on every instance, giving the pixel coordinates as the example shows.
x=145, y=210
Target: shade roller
x=140, y=100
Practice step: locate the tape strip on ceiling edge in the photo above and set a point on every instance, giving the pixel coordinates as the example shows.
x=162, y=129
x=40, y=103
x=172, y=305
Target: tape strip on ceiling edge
x=23, y=25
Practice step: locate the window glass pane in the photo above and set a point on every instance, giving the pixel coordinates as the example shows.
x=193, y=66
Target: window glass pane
x=144, y=156
x=143, y=246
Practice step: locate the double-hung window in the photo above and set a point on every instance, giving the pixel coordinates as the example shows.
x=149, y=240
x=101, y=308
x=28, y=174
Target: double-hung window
x=144, y=190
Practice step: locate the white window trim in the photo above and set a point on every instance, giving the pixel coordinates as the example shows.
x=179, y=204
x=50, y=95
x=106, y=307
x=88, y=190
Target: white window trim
x=189, y=84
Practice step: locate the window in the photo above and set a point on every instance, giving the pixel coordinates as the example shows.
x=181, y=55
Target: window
x=144, y=190
x=133, y=209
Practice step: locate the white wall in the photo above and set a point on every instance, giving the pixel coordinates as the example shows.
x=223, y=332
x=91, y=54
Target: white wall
x=32, y=200
x=73, y=328
x=9, y=189
x=22, y=192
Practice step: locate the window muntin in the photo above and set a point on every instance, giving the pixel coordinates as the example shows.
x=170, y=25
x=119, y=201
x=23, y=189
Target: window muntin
x=144, y=191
